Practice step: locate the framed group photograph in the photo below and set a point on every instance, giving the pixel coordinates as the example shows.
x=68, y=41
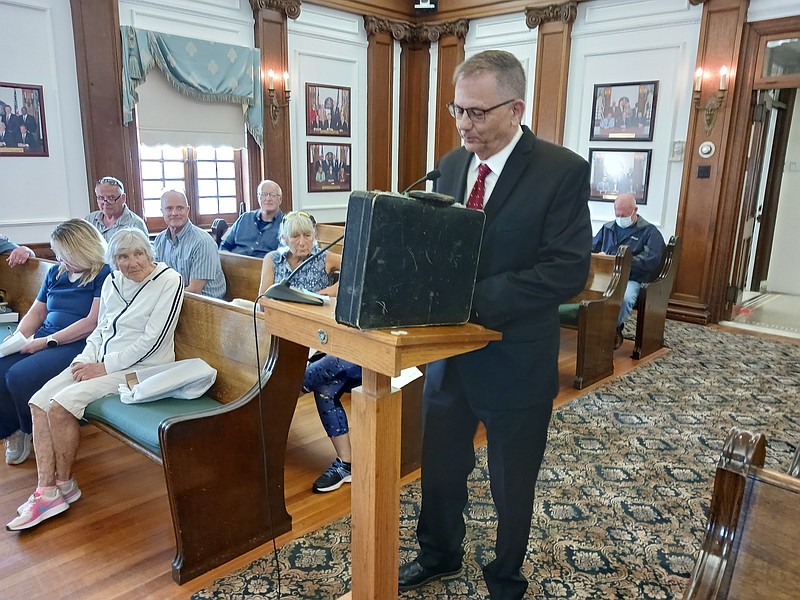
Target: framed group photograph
x=328, y=167
x=624, y=111
x=327, y=110
x=617, y=171
x=22, y=126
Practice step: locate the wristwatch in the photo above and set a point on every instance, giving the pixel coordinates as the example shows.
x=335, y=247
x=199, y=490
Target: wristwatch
x=51, y=342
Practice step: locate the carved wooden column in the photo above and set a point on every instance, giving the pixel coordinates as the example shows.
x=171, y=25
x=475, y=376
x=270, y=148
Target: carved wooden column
x=554, y=22
x=451, y=54
x=272, y=38
x=110, y=147
x=703, y=269
x=380, y=67
x=415, y=68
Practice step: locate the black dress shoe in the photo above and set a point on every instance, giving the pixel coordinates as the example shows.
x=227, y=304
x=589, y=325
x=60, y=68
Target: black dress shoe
x=412, y=575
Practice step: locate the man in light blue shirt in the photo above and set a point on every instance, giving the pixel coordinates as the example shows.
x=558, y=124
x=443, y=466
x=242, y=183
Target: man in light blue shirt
x=188, y=249
x=257, y=232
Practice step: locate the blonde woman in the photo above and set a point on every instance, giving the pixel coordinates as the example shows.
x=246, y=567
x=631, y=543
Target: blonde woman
x=63, y=314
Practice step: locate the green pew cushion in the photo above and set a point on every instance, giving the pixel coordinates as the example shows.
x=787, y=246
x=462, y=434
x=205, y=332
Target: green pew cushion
x=140, y=422
x=568, y=314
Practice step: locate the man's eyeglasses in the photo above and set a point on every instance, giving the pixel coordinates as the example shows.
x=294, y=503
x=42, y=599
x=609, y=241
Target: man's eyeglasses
x=476, y=115
x=108, y=199
x=269, y=195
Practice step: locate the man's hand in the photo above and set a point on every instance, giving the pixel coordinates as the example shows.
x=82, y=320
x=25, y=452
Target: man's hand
x=19, y=256
x=86, y=371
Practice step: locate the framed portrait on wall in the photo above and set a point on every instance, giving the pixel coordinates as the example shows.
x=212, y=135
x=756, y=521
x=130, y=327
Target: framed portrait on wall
x=22, y=125
x=328, y=167
x=624, y=111
x=616, y=171
x=327, y=110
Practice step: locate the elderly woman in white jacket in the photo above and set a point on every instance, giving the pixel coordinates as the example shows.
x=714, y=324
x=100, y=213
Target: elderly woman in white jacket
x=139, y=307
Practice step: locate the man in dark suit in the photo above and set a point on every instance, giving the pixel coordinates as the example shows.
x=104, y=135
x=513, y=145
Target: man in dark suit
x=534, y=256
x=10, y=120
x=29, y=121
x=27, y=140
x=7, y=138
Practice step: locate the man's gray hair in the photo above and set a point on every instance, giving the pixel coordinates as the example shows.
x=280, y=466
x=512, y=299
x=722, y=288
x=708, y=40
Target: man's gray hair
x=128, y=239
x=504, y=65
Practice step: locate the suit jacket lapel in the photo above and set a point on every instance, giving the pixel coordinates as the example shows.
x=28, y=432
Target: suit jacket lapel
x=461, y=175
x=512, y=171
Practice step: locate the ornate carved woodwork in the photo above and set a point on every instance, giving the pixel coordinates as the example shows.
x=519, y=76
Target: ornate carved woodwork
x=565, y=13
x=704, y=221
x=405, y=31
x=291, y=8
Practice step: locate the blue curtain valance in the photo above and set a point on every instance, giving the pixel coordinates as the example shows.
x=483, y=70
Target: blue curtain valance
x=206, y=71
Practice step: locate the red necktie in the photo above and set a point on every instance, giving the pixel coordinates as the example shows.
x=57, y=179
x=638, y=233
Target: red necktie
x=475, y=200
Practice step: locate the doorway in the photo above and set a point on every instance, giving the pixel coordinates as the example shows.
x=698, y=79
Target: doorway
x=767, y=282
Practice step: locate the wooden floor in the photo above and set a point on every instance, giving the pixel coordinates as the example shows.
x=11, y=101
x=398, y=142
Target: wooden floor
x=117, y=541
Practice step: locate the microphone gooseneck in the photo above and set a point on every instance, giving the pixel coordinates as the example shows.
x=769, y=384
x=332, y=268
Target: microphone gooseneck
x=429, y=176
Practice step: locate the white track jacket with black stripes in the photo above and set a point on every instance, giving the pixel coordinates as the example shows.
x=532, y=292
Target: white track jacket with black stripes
x=136, y=324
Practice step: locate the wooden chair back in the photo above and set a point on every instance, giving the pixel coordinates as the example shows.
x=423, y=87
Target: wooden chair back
x=242, y=275
x=605, y=273
x=326, y=233
x=653, y=301
x=750, y=548
x=22, y=283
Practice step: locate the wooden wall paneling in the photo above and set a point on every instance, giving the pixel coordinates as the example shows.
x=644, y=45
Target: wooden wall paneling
x=472, y=9
x=107, y=142
x=380, y=67
x=550, y=89
x=272, y=38
x=395, y=9
x=451, y=54
x=702, y=221
x=414, y=94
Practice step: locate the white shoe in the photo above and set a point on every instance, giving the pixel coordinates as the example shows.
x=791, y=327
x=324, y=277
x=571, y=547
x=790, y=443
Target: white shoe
x=18, y=447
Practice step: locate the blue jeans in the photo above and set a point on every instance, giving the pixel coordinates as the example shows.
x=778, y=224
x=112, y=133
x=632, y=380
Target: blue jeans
x=628, y=301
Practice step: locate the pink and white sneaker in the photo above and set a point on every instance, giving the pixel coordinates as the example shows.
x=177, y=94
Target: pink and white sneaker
x=38, y=509
x=69, y=490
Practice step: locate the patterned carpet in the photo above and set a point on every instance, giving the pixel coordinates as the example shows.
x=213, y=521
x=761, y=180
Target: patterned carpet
x=624, y=488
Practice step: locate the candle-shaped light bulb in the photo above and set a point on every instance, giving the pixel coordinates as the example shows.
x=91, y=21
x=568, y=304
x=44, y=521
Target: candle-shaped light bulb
x=271, y=75
x=723, y=79
x=286, y=81
x=698, y=79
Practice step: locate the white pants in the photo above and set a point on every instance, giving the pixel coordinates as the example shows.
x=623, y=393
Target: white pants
x=73, y=395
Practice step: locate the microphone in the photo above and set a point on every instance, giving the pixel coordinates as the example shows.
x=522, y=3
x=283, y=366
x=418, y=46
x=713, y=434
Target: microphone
x=282, y=291
x=429, y=176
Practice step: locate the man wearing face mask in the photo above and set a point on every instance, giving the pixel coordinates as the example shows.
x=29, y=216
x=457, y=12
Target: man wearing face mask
x=645, y=242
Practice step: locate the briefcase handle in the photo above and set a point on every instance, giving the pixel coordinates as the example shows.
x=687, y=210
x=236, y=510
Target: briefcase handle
x=432, y=198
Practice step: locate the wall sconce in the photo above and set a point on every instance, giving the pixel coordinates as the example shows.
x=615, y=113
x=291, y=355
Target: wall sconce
x=715, y=102
x=274, y=105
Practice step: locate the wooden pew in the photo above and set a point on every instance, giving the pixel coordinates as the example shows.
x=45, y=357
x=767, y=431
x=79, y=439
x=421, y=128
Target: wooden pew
x=23, y=282
x=326, y=233
x=242, y=275
x=651, y=306
x=750, y=548
x=594, y=312
x=223, y=454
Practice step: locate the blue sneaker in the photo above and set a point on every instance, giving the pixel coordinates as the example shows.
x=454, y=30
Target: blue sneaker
x=332, y=479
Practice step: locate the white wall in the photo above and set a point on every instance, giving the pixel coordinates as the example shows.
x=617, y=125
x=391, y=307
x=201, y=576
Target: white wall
x=628, y=41
x=329, y=48
x=784, y=268
x=39, y=192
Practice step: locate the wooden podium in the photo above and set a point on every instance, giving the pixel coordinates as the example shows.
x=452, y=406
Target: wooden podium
x=375, y=420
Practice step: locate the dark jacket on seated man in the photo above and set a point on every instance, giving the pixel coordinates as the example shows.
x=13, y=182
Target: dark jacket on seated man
x=644, y=240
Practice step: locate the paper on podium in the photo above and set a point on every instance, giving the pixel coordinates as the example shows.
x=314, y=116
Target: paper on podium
x=406, y=376
x=14, y=344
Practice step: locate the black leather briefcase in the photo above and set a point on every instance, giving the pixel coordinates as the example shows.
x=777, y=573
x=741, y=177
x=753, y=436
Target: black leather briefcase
x=408, y=261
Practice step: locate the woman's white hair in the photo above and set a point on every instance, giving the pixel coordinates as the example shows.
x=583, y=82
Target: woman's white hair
x=128, y=240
